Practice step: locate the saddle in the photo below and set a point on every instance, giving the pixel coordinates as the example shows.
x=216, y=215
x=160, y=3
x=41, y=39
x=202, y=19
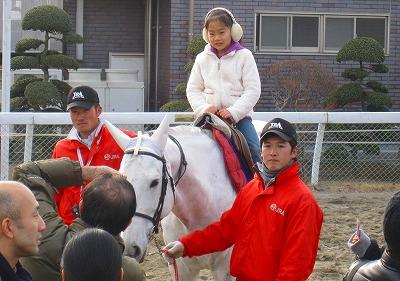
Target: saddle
x=209, y=121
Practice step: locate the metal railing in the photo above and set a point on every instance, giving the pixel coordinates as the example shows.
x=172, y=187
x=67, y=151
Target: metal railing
x=339, y=147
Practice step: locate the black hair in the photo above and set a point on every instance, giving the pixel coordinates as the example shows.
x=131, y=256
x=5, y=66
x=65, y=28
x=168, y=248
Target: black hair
x=92, y=254
x=293, y=143
x=109, y=202
x=218, y=15
x=391, y=225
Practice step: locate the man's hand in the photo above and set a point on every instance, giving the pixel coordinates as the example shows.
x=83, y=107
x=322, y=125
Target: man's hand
x=173, y=250
x=89, y=173
x=359, y=242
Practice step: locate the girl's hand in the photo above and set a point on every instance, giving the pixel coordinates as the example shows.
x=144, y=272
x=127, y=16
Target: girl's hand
x=212, y=109
x=224, y=113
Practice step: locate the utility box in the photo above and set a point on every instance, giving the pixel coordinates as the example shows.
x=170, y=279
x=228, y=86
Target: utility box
x=120, y=92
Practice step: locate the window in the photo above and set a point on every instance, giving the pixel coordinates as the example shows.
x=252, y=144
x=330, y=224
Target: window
x=316, y=33
x=338, y=31
x=275, y=33
x=371, y=27
x=305, y=32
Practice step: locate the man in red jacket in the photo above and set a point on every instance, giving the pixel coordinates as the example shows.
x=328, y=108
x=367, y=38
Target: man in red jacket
x=273, y=225
x=89, y=142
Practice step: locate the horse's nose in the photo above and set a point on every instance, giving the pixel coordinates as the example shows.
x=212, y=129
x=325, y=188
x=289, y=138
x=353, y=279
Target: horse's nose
x=135, y=252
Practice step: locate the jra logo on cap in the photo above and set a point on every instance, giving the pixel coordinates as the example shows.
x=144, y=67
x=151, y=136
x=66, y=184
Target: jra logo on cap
x=275, y=125
x=78, y=95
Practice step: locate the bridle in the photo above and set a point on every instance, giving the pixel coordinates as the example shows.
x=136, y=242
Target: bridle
x=166, y=177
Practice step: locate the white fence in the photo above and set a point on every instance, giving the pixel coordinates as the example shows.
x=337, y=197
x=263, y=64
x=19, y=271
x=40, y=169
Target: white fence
x=334, y=146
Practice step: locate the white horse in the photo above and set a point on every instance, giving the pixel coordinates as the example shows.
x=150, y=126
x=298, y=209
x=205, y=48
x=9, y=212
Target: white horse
x=203, y=191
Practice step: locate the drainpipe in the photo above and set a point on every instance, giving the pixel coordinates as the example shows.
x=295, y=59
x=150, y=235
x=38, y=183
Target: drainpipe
x=79, y=27
x=147, y=53
x=156, y=54
x=6, y=56
x=6, y=85
x=191, y=19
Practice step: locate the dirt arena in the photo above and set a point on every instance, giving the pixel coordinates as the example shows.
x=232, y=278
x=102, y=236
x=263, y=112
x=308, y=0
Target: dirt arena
x=342, y=205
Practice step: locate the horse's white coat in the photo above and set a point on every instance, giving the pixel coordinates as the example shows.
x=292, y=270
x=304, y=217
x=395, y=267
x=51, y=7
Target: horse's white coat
x=201, y=196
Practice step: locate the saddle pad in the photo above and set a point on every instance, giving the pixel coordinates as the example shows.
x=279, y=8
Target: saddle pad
x=232, y=163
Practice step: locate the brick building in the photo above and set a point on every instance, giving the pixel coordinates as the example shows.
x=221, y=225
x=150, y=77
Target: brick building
x=158, y=31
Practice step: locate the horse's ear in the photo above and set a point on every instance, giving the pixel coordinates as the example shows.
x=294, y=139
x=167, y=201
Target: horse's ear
x=160, y=135
x=120, y=137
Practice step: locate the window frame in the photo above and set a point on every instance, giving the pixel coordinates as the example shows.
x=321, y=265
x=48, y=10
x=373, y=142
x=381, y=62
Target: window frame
x=321, y=50
x=305, y=49
x=288, y=31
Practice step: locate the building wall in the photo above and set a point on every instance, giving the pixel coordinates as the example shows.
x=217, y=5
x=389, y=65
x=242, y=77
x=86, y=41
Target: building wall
x=164, y=75
x=109, y=26
x=244, y=12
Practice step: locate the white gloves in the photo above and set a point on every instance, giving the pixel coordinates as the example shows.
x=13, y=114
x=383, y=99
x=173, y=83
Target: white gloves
x=173, y=250
x=359, y=243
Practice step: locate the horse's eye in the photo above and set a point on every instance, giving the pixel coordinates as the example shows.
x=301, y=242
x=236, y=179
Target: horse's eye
x=154, y=183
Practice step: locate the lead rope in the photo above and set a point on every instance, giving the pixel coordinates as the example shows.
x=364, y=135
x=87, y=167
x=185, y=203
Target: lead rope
x=174, y=266
x=160, y=251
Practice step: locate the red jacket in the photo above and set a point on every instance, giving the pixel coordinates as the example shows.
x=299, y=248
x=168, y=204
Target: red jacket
x=104, y=151
x=274, y=231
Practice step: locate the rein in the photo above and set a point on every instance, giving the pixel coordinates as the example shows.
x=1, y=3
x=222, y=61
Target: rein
x=166, y=177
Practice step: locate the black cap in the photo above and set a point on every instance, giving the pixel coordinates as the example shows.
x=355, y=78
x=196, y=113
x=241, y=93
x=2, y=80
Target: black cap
x=391, y=224
x=82, y=96
x=281, y=128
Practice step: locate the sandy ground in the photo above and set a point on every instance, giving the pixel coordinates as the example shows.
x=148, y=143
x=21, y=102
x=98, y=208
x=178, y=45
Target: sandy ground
x=342, y=205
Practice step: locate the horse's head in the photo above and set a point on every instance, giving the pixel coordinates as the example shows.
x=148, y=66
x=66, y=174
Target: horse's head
x=149, y=172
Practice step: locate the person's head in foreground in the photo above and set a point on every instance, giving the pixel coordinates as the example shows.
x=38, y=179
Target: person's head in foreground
x=391, y=226
x=278, y=142
x=90, y=255
x=21, y=226
x=109, y=202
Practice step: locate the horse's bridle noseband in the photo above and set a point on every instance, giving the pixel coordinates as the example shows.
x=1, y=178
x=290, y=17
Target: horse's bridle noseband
x=166, y=177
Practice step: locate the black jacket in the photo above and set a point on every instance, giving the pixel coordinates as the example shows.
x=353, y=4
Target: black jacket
x=384, y=269
x=8, y=274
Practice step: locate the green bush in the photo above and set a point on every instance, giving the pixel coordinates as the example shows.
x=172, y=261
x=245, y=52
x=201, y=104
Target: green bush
x=355, y=74
x=364, y=49
x=372, y=95
x=176, y=106
x=367, y=148
x=19, y=104
x=195, y=46
x=60, y=62
x=27, y=44
x=377, y=87
x=188, y=66
x=18, y=88
x=180, y=89
x=336, y=152
x=41, y=93
x=24, y=62
x=346, y=94
x=47, y=18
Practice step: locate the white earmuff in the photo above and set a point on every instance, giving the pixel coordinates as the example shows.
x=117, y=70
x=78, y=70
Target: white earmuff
x=236, y=29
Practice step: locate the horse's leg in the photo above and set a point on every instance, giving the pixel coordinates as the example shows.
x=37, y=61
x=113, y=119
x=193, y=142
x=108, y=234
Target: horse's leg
x=173, y=228
x=220, y=266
